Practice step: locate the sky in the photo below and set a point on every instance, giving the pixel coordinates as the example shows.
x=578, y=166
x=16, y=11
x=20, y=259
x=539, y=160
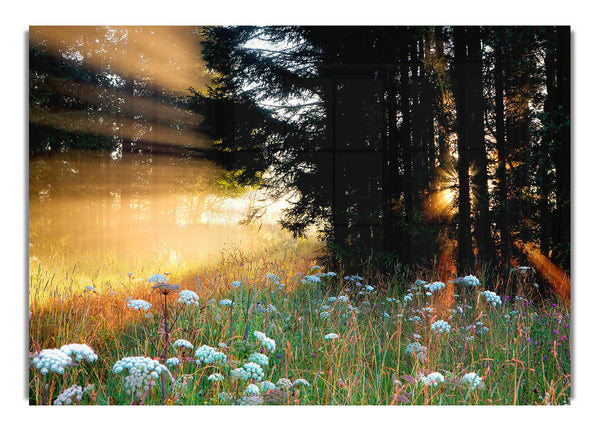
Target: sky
x=578, y=13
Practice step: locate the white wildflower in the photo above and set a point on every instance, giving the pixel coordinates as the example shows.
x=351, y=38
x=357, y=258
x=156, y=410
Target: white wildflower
x=471, y=380
x=188, y=297
x=54, y=360
x=259, y=358
x=139, y=304
x=440, y=326
x=183, y=343
x=79, y=352
x=433, y=379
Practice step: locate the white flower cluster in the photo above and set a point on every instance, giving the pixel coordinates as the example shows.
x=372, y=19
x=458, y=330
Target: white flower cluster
x=492, y=298
x=143, y=373
x=255, y=370
x=188, y=297
x=225, y=302
x=72, y=393
x=157, y=278
x=440, y=326
x=183, y=343
x=435, y=286
x=236, y=283
x=331, y=336
x=433, y=379
x=470, y=281
x=240, y=374
x=172, y=362
x=79, y=352
x=54, y=360
x=140, y=363
x=342, y=298
x=216, y=377
x=139, y=304
x=251, y=390
x=139, y=381
x=268, y=343
x=311, y=279
x=408, y=297
x=209, y=355
x=471, y=380
x=259, y=358
x=324, y=315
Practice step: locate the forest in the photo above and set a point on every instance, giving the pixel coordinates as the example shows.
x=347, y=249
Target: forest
x=405, y=145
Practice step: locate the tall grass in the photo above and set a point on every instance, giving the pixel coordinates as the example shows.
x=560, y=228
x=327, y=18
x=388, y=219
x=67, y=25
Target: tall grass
x=519, y=348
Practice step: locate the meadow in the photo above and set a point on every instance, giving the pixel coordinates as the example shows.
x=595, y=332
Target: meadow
x=272, y=327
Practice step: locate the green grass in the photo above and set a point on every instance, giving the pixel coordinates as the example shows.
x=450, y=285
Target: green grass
x=523, y=358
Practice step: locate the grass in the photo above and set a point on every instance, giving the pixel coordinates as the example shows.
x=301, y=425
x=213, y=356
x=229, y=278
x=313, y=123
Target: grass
x=522, y=355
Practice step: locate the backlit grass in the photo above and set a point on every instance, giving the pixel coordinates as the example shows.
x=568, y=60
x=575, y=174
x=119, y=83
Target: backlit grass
x=322, y=338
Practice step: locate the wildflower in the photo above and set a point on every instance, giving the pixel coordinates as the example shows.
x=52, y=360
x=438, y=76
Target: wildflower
x=252, y=390
x=260, y=336
x=428, y=293
x=255, y=371
x=225, y=302
x=240, y=374
x=311, y=279
x=385, y=315
x=259, y=358
x=271, y=309
x=269, y=344
x=324, y=315
x=315, y=268
x=183, y=343
x=331, y=336
x=408, y=297
x=468, y=281
x=139, y=304
x=188, y=297
x=492, y=298
x=54, y=360
x=471, y=380
x=266, y=386
x=172, y=362
x=72, y=393
x=157, y=278
x=433, y=379
x=330, y=274
x=435, y=286
x=139, y=362
x=216, y=377
x=332, y=299
x=342, y=298
x=209, y=355
x=236, y=283
x=369, y=288
x=440, y=326
x=80, y=351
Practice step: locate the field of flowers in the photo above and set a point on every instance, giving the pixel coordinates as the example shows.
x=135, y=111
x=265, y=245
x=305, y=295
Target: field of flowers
x=298, y=338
